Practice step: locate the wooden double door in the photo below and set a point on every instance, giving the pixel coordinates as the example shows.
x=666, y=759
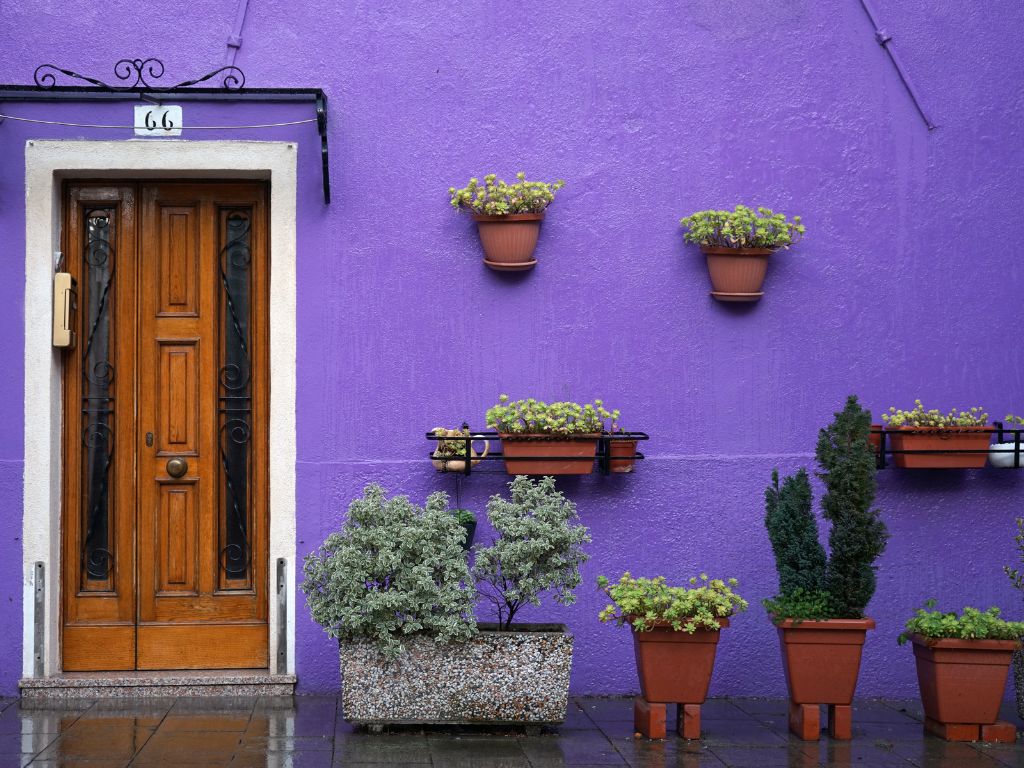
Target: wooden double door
x=164, y=535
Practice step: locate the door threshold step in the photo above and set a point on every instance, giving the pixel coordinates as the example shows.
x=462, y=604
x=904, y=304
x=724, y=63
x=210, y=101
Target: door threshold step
x=144, y=685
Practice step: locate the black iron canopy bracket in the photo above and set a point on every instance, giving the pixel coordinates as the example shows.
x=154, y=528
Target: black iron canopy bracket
x=603, y=457
x=1003, y=436
x=139, y=72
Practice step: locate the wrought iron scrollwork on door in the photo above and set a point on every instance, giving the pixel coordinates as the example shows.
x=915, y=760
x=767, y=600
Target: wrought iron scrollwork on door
x=235, y=395
x=97, y=389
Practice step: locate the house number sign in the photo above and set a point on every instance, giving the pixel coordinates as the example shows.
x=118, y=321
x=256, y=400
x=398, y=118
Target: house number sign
x=151, y=120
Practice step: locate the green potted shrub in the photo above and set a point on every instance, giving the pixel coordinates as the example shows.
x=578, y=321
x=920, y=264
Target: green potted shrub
x=539, y=438
x=507, y=216
x=394, y=588
x=962, y=661
x=962, y=437
x=467, y=520
x=819, y=610
x=737, y=245
x=1016, y=576
x=675, y=634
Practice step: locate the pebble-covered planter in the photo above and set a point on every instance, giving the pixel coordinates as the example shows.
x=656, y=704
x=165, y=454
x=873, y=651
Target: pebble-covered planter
x=519, y=676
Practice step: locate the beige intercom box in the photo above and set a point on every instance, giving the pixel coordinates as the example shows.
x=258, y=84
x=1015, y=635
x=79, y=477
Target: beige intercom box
x=65, y=302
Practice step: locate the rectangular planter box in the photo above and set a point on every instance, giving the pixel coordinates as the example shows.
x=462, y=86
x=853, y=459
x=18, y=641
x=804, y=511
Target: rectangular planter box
x=565, y=457
x=520, y=676
x=936, y=439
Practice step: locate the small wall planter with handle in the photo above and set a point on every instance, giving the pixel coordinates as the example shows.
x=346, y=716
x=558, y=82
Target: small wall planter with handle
x=737, y=245
x=675, y=639
x=508, y=217
x=962, y=680
x=954, y=440
x=1008, y=450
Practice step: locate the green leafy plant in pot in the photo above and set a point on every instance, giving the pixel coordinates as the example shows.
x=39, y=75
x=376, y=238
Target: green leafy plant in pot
x=394, y=587
x=819, y=610
x=960, y=438
x=1016, y=576
x=507, y=216
x=962, y=661
x=675, y=635
x=737, y=245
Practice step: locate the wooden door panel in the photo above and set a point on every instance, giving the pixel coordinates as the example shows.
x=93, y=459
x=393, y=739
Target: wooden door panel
x=188, y=333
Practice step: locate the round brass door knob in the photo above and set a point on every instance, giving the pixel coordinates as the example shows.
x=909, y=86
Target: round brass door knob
x=177, y=467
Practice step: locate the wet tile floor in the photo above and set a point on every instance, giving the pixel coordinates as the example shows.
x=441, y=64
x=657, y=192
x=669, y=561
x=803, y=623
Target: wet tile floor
x=308, y=732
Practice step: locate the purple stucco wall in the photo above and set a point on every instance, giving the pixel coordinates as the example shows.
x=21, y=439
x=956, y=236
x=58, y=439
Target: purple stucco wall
x=907, y=285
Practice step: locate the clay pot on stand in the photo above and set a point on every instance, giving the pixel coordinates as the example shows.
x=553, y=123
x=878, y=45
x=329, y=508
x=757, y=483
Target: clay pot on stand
x=620, y=455
x=962, y=684
x=821, y=660
x=561, y=456
x=948, y=440
x=509, y=241
x=442, y=464
x=737, y=274
x=674, y=668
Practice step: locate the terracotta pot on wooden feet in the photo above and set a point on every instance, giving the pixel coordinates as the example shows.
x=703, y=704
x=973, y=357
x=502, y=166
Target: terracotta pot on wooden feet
x=509, y=241
x=962, y=684
x=562, y=457
x=948, y=440
x=737, y=274
x=675, y=667
x=821, y=660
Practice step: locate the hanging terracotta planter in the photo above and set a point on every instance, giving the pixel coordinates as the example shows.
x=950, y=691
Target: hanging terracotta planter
x=509, y=241
x=675, y=667
x=961, y=681
x=737, y=274
x=821, y=660
x=560, y=456
x=949, y=440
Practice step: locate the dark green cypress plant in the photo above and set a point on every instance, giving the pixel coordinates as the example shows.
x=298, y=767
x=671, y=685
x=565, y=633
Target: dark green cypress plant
x=799, y=556
x=858, y=536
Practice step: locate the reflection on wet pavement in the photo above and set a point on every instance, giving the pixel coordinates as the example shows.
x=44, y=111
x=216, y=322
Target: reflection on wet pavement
x=309, y=732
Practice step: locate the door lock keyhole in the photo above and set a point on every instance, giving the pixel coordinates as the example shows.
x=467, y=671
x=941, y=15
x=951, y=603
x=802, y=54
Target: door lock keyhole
x=149, y=439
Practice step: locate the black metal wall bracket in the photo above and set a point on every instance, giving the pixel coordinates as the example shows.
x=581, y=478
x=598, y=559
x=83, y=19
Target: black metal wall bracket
x=1002, y=435
x=603, y=456
x=137, y=74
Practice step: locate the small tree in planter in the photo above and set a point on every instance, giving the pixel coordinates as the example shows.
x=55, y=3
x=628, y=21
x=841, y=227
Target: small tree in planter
x=411, y=651
x=963, y=437
x=820, y=606
x=961, y=669
x=1016, y=576
x=737, y=245
x=675, y=638
x=507, y=216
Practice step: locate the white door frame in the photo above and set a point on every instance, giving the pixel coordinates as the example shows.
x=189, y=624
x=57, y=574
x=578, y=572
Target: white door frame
x=47, y=164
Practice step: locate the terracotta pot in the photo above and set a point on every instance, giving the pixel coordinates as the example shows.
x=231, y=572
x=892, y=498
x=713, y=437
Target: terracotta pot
x=737, y=274
x=940, y=439
x=962, y=681
x=621, y=448
x=675, y=667
x=821, y=659
x=561, y=457
x=509, y=241
x=875, y=438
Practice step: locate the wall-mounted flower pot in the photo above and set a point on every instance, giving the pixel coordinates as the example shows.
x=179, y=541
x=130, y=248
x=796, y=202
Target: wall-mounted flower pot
x=737, y=274
x=948, y=440
x=442, y=464
x=620, y=453
x=516, y=676
x=509, y=241
x=962, y=681
x=875, y=438
x=558, y=456
x=675, y=667
x=1001, y=455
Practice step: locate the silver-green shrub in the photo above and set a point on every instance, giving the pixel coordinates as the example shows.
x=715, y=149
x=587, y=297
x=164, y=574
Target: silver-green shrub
x=393, y=570
x=539, y=548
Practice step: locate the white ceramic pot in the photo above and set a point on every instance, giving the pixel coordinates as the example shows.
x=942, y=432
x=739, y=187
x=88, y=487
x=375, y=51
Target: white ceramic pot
x=1001, y=455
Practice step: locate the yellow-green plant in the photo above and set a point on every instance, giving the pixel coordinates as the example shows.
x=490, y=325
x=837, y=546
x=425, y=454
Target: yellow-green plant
x=496, y=198
x=645, y=603
x=450, y=443
x=742, y=228
x=919, y=417
x=532, y=416
x=1011, y=419
x=971, y=624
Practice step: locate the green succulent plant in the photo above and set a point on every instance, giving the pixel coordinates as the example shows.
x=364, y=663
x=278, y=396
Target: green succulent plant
x=496, y=198
x=742, y=227
x=970, y=624
x=919, y=417
x=644, y=603
x=532, y=416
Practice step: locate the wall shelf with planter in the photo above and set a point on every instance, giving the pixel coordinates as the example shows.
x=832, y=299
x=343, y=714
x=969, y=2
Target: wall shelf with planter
x=891, y=446
x=614, y=453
